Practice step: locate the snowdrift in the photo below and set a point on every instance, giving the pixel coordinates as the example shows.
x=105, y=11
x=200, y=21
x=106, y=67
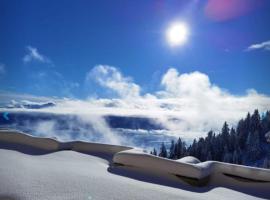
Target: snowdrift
x=184, y=167
x=251, y=180
x=51, y=145
x=127, y=156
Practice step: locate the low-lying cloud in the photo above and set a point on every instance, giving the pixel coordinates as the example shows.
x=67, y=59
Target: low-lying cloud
x=188, y=105
x=96, y=129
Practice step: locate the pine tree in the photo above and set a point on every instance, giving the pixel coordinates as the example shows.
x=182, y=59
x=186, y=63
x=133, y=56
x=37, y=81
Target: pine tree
x=232, y=145
x=227, y=156
x=200, y=153
x=242, y=145
x=253, y=146
x=225, y=134
x=235, y=158
x=255, y=124
x=154, y=152
x=243, y=129
x=163, y=151
x=184, y=149
x=265, y=125
x=172, y=149
x=218, y=148
x=193, y=148
x=178, y=148
x=209, y=156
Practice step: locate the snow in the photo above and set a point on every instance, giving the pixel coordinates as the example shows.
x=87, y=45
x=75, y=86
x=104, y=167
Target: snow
x=198, y=171
x=189, y=159
x=69, y=174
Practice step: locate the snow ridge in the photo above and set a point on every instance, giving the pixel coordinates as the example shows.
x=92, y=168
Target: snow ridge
x=132, y=157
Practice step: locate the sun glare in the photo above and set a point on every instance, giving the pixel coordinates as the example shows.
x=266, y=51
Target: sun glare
x=177, y=34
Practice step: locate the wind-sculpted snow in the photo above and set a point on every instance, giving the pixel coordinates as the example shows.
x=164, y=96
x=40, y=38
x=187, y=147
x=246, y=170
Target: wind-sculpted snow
x=126, y=169
x=187, y=169
x=187, y=166
x=52, y=145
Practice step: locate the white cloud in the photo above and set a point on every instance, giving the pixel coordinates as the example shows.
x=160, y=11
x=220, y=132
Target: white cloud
x=264, y=45
x=97, y=131
x=33, y=54
x=111, y=78
x=177, y=85
x=202, y=105
x=189, y=105
x=2, y=69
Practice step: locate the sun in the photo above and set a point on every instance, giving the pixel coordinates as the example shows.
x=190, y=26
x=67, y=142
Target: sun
x=177, y=34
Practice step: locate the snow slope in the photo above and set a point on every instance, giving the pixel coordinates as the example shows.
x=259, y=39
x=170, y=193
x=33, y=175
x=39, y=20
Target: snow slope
x=43, y=168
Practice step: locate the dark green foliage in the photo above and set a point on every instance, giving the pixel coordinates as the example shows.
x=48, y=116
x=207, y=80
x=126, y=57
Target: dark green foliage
x=253, y=147
x=163, y=151
x=154, y=152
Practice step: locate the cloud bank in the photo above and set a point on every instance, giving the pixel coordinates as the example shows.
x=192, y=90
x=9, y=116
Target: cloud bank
x=188, y=105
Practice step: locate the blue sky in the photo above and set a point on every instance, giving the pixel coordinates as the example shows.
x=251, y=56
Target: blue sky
x=70, y=38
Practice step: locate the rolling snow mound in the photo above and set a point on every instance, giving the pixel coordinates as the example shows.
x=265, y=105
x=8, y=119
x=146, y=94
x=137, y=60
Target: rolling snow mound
x=187, y=170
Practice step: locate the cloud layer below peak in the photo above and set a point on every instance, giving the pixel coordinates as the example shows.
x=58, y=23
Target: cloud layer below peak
x=188, y=104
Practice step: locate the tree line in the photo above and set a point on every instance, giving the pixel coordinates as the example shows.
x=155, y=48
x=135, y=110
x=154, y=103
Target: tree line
x=247, y=144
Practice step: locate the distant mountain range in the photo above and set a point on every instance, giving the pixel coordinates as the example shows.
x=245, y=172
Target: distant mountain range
x=29, y=105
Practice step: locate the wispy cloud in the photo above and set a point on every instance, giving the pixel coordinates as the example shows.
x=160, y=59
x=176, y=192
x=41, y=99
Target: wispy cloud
x=34, y=54
x=264, y=45
x=2, y=69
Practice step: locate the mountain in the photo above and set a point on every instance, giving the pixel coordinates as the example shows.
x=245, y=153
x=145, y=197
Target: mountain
x=29, y=105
